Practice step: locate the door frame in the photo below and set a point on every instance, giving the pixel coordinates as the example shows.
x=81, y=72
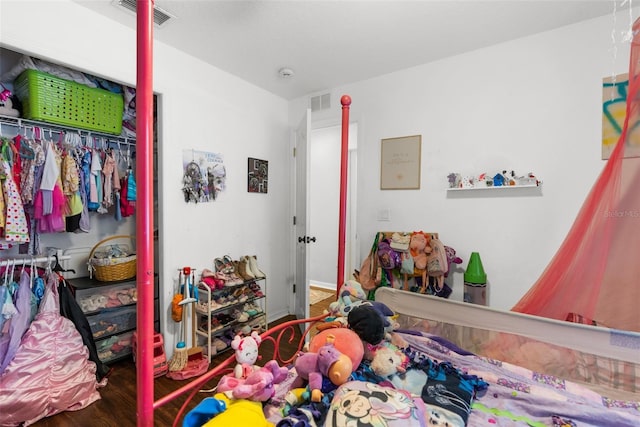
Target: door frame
x=296, y=298
x=352, y=247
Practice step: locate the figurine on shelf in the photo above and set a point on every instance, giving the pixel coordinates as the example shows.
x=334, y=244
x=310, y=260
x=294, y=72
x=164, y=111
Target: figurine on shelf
x=454, y=180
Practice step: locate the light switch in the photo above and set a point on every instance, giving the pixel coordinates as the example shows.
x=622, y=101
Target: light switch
x=384, y=215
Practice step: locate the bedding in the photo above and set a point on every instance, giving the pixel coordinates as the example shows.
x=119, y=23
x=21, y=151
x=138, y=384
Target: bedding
x=608, y=376
x=446, y=385
x=459, y=389
x=496, y=368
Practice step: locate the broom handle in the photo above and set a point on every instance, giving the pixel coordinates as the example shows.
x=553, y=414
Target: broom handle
x=193, y=314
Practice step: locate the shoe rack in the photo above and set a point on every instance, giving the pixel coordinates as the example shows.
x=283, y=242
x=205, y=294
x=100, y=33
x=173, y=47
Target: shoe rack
x=235, y=308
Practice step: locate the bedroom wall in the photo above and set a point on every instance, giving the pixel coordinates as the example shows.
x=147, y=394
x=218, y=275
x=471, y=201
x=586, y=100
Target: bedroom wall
x=529, y=105
x=202, y=108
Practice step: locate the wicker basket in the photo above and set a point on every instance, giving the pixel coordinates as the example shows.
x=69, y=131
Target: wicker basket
x=112, y=269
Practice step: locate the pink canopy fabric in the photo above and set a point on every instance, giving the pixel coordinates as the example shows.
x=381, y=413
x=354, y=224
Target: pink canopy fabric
x=596, y=271
x=50, y=371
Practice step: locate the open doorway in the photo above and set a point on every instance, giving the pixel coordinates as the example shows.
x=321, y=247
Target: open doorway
x=324, y=189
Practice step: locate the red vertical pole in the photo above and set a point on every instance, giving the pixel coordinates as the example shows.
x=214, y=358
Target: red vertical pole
x=144, y=212
x=342, y=216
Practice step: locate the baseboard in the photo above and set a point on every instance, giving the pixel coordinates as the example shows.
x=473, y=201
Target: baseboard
x=273, y=316
x=322, y=285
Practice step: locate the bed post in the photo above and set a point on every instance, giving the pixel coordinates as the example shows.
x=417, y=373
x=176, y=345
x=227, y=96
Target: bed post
x=144, y=212
x=342, y=225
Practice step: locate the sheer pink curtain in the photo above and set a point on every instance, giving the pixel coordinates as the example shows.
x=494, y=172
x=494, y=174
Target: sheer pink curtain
x=596, y=271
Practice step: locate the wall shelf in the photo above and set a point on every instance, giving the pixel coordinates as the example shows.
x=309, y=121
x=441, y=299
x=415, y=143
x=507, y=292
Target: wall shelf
x=498, y=188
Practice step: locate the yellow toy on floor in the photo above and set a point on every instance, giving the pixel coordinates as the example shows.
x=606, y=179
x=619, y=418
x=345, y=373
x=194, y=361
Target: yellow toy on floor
x=228, y=412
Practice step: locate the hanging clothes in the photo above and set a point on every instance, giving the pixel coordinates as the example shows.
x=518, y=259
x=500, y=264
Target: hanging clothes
x=2, y=212
x=16, y=230
x=84, y=160
x=71, y=189
x=32, y=156
x=60, y=376
x=108, y=174
x=7, y=309
x=70, y=309
x=53, y=222
x=131, y=184
x=16, y=163
x=126, y=208
x=10, y=342
x=95, y=182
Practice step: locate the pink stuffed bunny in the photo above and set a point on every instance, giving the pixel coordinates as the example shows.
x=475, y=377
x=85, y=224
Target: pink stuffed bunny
x=258, y=386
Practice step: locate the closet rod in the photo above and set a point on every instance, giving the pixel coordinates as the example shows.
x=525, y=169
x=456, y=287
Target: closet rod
x=37, y=260
x=17, y=122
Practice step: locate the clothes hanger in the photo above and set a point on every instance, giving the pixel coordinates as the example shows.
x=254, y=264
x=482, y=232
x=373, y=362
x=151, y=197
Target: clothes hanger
x=57, y=268
x=6, y=274
x=26, y=152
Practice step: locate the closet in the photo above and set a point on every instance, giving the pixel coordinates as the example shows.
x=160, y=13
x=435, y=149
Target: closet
x=78, y=245
x=78, y=143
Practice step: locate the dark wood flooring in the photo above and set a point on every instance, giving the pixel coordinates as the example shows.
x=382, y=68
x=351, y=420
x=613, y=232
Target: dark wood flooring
x=117, y=407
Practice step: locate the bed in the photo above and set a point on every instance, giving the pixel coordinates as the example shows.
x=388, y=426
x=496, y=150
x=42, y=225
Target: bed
x=484, y=367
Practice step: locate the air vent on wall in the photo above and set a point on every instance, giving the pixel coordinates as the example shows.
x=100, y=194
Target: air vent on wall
x=160, y=16
x=321, y=102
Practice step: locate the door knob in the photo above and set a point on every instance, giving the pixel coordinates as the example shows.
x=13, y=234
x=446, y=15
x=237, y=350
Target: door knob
x=306, y=239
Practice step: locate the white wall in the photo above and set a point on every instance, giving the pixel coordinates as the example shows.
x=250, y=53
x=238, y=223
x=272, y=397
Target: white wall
x=204, y=109
x=324, y=201
x=531, y=105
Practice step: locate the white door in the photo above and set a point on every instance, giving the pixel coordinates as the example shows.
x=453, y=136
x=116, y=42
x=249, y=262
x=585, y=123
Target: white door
x=301, y=287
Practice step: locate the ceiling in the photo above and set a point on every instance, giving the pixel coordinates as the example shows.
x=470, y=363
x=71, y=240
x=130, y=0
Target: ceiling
x=332, y=43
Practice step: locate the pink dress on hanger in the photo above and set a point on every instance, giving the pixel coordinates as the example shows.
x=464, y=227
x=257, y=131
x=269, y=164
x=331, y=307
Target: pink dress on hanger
x=50, y=372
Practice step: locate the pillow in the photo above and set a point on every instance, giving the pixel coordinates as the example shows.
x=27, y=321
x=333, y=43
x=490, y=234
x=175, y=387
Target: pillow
x=374, y=404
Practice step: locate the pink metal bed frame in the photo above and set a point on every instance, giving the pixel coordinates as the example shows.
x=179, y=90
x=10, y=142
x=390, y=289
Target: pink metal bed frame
x=145, y=227
x=284, y=332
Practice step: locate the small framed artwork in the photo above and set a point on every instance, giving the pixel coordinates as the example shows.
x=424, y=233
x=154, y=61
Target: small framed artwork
x=258, y=176
x=400, y=163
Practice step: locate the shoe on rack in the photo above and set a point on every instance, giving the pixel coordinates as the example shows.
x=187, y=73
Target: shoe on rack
x=246, y=269
x=242, y=267
x=219, y=265
x=241, y=316
x=253, y=265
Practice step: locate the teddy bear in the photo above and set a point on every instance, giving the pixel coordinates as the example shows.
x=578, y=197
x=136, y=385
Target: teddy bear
x=326, y=362
x=419, y=249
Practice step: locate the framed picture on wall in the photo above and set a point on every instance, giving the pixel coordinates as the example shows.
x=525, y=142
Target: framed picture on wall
x=258, y=176
x=400, y=163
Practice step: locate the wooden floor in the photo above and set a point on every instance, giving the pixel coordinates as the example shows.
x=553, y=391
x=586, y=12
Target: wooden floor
x=117, y=407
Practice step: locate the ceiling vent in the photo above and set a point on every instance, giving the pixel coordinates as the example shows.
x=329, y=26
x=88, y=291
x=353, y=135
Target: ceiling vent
x=160, y=16
x=321, y=102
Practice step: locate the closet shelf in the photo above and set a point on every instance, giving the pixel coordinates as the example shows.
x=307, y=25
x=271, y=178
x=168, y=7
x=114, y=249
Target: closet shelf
x=18, y=122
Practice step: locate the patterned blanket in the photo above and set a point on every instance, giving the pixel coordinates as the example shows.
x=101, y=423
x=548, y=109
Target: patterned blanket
x=445, y=385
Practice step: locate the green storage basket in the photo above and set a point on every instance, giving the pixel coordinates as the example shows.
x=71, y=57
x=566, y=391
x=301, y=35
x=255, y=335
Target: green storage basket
x=52, y=99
